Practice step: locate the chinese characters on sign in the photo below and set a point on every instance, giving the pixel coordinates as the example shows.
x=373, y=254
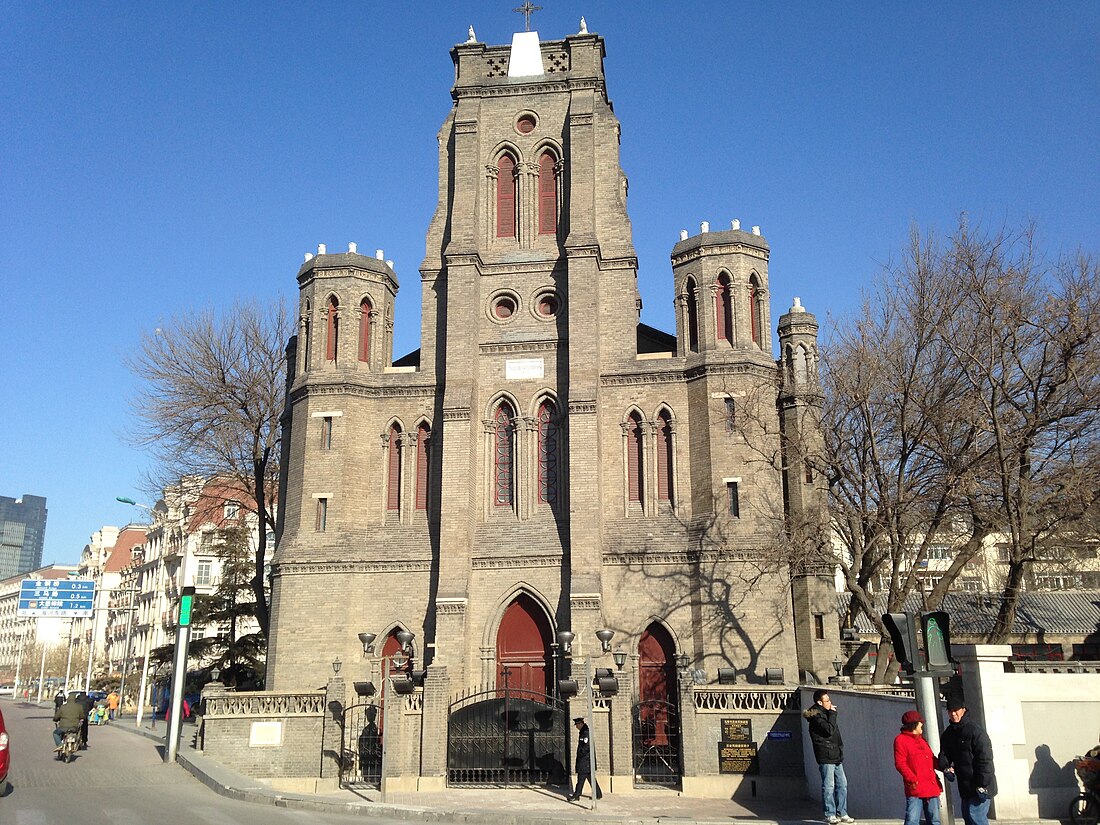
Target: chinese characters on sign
x=736, y=750
x=70, y=598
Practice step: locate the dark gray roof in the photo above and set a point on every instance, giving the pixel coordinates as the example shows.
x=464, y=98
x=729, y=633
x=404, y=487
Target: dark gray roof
x=1061, y=612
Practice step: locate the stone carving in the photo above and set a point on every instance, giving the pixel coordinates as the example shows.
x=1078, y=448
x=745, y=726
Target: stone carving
x=262, y=703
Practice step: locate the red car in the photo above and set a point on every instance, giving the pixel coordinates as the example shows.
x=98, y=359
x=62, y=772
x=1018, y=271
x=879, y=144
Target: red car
x=5, y=755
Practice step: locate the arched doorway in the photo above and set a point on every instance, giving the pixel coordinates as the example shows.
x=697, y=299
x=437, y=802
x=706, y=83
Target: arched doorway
x=524, y=660
x=657, y=716
x=514, y=732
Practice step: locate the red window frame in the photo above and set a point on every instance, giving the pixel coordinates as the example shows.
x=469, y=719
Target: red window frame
x=548, y=196
x=634, y=458
x=423, y=433
x=664, y=457
x=506, y=197
x=393, y=464
x=723, y=308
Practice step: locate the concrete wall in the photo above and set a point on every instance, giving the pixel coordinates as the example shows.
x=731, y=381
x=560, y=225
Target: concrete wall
x=1038, y=722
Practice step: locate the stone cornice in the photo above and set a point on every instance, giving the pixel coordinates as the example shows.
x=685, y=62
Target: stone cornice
x=347, y=567
x=345, y=388
x=527, y=346
x=719, y=249
x=498, y=563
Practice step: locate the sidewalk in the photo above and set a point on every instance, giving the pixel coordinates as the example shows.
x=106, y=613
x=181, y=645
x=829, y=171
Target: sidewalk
x=496, y=806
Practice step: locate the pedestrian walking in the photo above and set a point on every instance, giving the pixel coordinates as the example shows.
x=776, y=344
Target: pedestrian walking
x=966, y=754
x=916, y=763
x=112, y=705
x=829, y=753
x=584, y=762
x=59, y=700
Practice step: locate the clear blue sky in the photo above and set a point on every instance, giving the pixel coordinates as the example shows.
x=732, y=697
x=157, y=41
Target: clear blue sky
x=159, y=157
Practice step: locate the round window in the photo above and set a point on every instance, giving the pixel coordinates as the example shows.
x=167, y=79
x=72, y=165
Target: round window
x=548, y=305
x=525, y=124
x=504, y=307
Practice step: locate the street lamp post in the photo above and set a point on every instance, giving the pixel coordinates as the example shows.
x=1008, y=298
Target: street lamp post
x=565, y=643
x=126, y=653
x=393, y=661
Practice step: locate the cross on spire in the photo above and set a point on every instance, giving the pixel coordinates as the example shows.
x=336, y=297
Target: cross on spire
x=527, y=9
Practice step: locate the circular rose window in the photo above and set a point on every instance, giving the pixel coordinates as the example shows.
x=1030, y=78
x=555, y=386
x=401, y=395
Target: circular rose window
x=525, y=124
x=548, y=305
x=504, y=307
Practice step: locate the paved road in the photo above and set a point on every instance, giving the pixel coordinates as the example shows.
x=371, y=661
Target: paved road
x=120, y=780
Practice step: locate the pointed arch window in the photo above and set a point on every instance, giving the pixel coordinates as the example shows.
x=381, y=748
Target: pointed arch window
x=506, y=197
x=504, y=455
x=548, y=436
x=692, y=316
x=333, y=332
x=423, y=433
x=634, y=458
x=307, y=330
x=393, y=467
x=754, y=311
x=364, y=329
x=664, y=457
x=723, y=308
x=548, y=196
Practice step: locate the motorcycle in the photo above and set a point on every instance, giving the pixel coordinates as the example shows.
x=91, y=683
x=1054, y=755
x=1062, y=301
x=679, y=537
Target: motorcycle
x=70, y=743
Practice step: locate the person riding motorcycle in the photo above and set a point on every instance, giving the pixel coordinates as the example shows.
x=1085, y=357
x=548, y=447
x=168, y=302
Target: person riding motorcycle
x=67, y=718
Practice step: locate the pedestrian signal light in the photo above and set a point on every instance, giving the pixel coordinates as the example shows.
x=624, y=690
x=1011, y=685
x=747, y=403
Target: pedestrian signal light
x=903, y=635
x=936, y=628
x=187, y=598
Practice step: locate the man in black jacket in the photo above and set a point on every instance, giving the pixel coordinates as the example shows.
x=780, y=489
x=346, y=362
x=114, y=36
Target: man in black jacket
x=966, y=754
x=584, y=761
x=829, y=753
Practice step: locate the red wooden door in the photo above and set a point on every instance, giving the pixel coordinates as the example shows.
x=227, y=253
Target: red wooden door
x=656, y=680
x=523, y=647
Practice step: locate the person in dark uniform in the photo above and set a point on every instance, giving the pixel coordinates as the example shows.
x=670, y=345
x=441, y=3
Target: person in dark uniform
x=584, y=761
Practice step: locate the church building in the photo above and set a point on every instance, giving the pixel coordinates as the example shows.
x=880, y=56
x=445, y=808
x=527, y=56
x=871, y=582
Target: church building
x=546, y=465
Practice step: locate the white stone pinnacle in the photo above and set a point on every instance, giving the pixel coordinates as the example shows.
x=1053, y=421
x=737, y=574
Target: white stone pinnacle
x=683, y=234
x=320, y=249
x=797, y=306
x=704, y=226
x=379, y=254
x=735, y=223
x=756, y=230
x=309, y=256
x=353, y=246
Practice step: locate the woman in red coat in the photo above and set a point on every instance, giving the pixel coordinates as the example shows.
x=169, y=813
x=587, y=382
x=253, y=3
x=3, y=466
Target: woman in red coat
x=915, y=762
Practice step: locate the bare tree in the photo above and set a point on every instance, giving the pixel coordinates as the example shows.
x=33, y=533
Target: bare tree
x=1027, y=342
x=210, y=406
x=962, y=403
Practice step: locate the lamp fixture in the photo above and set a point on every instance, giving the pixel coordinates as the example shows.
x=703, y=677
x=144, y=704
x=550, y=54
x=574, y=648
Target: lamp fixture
x=605, y=636
x=565, y=639
x=215, y=673
x=368, y=642
x=336, y=665
x=620, y=657
x=838, y=666
x=682, y=661
x=404, y=637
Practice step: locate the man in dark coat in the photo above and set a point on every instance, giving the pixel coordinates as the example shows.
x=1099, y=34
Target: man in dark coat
x=829, y=753
x=67, y=717
x=584, y=761
x=966, y=754
x=87, y=702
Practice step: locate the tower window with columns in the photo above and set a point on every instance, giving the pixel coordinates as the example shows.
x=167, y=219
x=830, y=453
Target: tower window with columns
x=393, y=470
x=364, y=329
x=504, y=455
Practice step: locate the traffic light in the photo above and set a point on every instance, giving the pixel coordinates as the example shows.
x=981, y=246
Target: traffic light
x=187, y=598
x=903, y=635
x=936, y=629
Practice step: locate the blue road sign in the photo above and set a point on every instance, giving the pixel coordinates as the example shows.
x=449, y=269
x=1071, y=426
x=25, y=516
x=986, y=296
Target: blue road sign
x=69, y=598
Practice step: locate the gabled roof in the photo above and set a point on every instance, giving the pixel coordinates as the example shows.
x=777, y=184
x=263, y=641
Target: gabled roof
x=1060, y=612
x=122, y=553
x=209, y=507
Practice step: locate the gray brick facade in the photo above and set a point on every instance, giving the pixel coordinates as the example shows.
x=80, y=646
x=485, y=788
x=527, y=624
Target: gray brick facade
x=567, y=332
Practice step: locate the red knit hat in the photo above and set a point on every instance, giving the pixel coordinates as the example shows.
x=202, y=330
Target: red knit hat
x=911, y=717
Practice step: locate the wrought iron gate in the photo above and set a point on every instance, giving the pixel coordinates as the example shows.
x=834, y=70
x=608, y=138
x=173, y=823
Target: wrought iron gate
x=656, y=732
x=507, y=737
x=361, y=757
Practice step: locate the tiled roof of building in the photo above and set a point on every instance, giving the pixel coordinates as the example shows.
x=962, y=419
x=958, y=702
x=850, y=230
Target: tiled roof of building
x=122, y=552
x=1060, y=612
